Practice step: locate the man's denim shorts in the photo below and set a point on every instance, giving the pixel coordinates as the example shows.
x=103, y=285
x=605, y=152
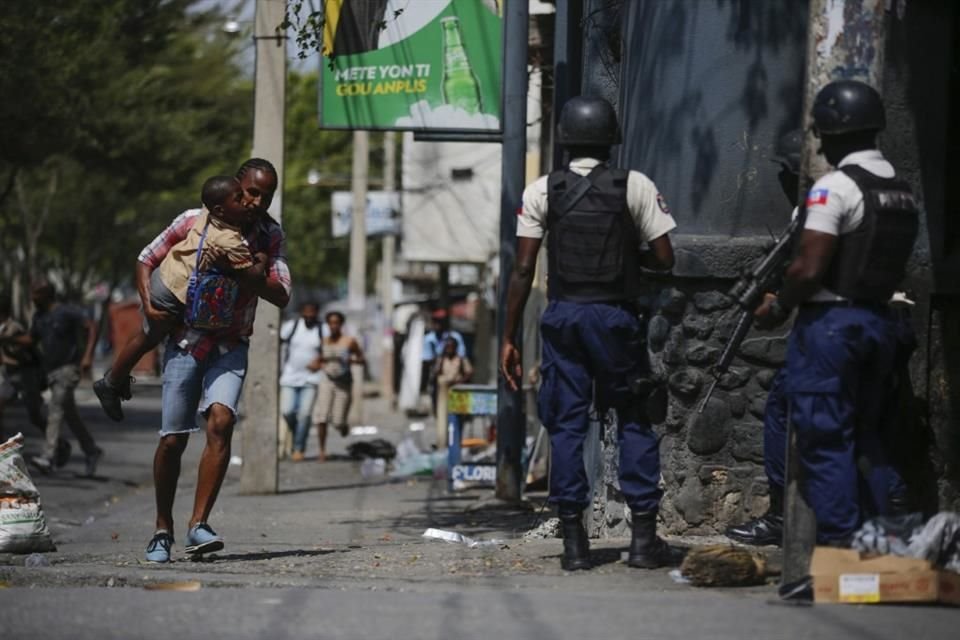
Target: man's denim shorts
x=190, y=386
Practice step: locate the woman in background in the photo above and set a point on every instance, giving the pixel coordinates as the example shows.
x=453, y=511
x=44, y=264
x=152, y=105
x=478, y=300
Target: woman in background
x=338, y=352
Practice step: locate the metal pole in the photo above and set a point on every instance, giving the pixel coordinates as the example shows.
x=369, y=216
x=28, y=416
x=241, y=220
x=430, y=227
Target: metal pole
x=567, y=61
x=511, y=425
x=386, y=272
x=836, y=50
x=357, y=278
x=261, y=405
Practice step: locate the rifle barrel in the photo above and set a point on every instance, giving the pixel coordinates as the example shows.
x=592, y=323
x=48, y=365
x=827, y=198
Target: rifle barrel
x=706, y=398
x=739, y=333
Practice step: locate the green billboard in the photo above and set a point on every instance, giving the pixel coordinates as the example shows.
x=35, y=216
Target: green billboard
x=425, y=65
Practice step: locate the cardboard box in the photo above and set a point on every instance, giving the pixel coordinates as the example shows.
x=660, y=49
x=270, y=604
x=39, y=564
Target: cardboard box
x=846, y=576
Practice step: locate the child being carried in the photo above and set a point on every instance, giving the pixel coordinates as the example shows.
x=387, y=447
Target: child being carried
x=216, y=235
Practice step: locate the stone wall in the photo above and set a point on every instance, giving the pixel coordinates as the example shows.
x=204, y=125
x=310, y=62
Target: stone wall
x=712, y=463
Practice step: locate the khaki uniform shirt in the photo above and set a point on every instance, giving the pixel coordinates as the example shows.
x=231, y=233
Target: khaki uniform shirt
x=649, y=210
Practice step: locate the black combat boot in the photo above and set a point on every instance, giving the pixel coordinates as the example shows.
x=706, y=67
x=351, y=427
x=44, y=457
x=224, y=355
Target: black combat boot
x=767, y=529
x=576, y=547
x=647, y=550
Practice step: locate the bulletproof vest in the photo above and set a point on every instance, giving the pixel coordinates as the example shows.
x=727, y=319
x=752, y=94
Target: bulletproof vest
x=592, y=248
x=871, y=261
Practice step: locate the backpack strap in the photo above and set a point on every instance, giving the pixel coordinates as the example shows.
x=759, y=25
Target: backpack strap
x=203, y=236
x=293, y=331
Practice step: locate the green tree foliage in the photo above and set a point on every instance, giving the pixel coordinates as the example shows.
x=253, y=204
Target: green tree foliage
x=317, y=259
x=113, y=113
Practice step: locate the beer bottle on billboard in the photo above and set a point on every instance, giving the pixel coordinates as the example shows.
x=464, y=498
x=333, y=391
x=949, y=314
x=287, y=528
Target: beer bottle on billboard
x=460, y=87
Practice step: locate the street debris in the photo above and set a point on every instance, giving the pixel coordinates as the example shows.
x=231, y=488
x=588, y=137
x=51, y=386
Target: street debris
x=364, y=430
x=376, y=448
x=550, y=528
x=937, y=540
x=723, y=565
x=410, y=461
x=458, y=538
x=373, y=467
x=23, y=528
x=35, y=560
x=849, y=576
x=236, y=461
x=677, y=576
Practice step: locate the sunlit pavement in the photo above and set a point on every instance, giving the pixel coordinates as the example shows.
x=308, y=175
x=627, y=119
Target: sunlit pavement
x=337, y=555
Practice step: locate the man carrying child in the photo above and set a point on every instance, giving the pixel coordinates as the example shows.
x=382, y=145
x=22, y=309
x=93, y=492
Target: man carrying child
x=213, y=240
x=203, y=370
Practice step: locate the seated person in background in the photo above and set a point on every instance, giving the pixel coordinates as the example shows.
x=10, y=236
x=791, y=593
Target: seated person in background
x=218, y=239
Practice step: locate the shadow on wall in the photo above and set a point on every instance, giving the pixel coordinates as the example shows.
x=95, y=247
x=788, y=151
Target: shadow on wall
x=707, y=88
x=921, y=91
x=944, y=401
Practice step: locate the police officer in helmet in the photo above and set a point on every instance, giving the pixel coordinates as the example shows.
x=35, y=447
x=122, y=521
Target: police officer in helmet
x=596, y=220
x=859, y=226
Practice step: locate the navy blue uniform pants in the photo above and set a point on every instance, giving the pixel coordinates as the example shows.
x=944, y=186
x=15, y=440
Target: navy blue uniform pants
x=839, y=360
x=601, y=346
x=775, y=432
x=775, y=419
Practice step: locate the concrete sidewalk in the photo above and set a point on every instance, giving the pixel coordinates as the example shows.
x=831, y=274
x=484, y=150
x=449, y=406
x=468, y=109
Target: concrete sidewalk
x=336, y=555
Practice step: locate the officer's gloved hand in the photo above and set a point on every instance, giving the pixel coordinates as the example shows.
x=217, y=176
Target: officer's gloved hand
x=770, y=315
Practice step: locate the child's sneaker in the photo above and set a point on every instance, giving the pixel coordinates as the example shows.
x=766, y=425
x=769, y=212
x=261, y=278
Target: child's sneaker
x=202, y=539
x=158, y=550
x=110, y=396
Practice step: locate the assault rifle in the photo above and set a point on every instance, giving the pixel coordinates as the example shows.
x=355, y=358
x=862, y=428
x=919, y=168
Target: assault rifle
x=748, y=293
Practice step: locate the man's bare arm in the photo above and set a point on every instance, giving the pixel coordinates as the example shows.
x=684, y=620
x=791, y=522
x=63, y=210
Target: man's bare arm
x=257, y=279
x=808, y=268
x=521, y=280
x=660, y=255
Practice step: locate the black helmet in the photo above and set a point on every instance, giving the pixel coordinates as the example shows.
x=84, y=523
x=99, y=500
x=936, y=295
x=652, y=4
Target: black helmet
x=587, y=121
x=847, y=106
x=787, y=151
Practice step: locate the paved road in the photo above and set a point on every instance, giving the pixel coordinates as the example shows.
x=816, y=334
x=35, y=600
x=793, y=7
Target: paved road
x=335, y=555
x=469, y=611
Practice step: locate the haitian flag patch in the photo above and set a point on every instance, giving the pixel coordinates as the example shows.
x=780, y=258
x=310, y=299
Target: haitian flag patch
x=662, y=203
x=817, y=196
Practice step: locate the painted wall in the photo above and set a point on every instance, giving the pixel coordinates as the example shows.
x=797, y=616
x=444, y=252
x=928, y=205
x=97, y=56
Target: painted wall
x=706, y=89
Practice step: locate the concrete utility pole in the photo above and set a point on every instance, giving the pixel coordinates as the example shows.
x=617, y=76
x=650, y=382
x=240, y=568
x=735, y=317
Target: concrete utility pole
x=836, y=49
x=511, y=424
x=356, y=281
x=386, y=271
x=357, y=278
x=261, y=409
